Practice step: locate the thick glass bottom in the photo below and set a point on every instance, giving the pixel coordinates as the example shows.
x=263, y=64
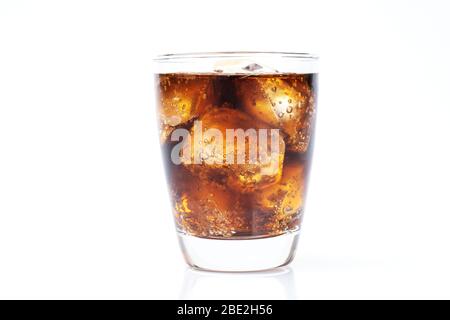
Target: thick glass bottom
x=239, y=255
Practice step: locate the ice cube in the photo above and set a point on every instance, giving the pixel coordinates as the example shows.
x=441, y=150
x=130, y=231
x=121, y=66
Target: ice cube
x=252, y=67
x=235, y=150
x=182, y=98
x=280, y=205
x=204, y=208
x=282, y=103
x=241, y=66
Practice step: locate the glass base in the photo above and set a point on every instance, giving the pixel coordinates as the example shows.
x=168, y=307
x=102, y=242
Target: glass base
x=243, y=255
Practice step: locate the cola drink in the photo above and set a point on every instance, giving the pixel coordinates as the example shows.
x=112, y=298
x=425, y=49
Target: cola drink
x=237, y=150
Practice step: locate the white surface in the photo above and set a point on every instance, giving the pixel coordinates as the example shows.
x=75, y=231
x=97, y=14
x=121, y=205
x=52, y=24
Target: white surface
x=83, y=205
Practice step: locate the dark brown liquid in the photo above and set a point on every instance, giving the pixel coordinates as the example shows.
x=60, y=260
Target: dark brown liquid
x=220, y=200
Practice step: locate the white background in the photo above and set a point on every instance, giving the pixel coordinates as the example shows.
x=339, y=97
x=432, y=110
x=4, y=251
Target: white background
x=83, y=205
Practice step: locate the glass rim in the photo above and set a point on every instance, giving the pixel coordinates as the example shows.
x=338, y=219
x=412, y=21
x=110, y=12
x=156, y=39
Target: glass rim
x=235, y=54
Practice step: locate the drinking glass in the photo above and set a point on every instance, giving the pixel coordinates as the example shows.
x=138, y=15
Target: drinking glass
x=236, y=132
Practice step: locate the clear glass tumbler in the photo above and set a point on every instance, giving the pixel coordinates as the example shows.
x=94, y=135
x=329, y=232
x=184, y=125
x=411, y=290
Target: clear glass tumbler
x=236, y=132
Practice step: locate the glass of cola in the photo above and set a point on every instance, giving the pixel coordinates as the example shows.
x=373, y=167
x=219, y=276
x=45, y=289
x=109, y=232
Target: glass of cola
x=236, y=132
